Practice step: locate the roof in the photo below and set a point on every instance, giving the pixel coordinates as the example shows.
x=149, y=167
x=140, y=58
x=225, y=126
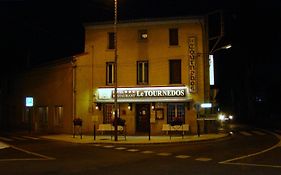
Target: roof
x=146, y=21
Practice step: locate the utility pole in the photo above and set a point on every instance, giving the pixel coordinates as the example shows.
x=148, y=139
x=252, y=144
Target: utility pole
x=115, y=72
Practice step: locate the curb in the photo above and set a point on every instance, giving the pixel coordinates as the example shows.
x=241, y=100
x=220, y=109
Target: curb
x=141, y=141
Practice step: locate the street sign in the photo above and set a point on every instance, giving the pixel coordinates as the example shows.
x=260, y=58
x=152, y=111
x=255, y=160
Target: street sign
x=206, y=105
x=29, y=101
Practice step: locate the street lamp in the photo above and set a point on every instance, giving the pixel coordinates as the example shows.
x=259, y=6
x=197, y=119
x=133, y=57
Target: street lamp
x=228, y=46
x=115, y=72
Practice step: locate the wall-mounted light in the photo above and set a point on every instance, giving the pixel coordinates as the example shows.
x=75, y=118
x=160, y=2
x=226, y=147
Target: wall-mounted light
x=98, y=106
x=130, y=106
x=153, y=106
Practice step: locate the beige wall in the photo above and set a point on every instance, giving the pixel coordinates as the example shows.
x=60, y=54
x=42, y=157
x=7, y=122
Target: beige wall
x=50, y=86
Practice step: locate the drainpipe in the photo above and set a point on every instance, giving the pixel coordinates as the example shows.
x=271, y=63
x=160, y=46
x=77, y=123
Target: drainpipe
x=73, y=63
x=205, y=55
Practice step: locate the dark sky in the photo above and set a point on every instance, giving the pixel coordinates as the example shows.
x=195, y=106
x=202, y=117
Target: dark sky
x=44, y=30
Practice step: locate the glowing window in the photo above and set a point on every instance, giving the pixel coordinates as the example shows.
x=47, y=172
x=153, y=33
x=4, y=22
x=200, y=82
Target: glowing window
x=143, y=35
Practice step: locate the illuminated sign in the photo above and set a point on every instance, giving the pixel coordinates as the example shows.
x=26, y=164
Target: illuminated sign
x=206, y=105
x=192, y=47
x=29, y=101
x=211, y=70
x=145, y=94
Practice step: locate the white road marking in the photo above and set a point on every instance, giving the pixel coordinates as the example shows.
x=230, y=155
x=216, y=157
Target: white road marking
x=24, y=159
x=6, y=139
x=121, y=148
x=97, y=145
x=256, y=165
x=182, y=156
x=3, y=145
x=147, y=152
x=33, y=138
x=230, y=161
x=245, y=133
x=18, y=138
x=33, y=153
x=132, y=150
x=259, y=133
x=108, y=146
x=164, y=154
x=203, y=159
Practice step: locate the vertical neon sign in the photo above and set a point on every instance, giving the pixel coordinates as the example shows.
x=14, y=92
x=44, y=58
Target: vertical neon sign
x=192, y=47
x=211, y=70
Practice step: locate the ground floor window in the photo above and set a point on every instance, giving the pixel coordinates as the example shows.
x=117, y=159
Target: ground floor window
x=175, y=112
x=43, y=115
x=26, y=117
x=58, y=116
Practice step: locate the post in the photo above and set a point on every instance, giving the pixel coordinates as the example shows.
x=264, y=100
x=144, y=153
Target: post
x=149, y=130
x=198, y=125
x=94, y=131
x=115, y=72
x=197, y=107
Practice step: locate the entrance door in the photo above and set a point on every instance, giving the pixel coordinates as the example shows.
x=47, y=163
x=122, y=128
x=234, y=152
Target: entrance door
x=143, y=117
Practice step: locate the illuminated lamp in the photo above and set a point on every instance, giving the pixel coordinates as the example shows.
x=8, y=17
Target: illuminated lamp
x=130, y=106
x=153, y=106
x=98, y=106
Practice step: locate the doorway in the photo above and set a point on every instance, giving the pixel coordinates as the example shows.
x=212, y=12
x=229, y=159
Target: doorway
x=142, y=117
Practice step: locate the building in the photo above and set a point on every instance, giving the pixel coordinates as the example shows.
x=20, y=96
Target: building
x=42, y=98
x=161, y=73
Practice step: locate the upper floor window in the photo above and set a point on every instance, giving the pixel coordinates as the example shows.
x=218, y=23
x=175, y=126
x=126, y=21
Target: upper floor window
x=111, y=42
x=175, y=71
x=142, y=72
x=110, y=73
x=142, y=35
x=173, y=37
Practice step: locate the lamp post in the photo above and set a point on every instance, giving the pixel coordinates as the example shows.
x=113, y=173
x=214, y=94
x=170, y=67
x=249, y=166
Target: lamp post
x=115, y=72
x=213, y=89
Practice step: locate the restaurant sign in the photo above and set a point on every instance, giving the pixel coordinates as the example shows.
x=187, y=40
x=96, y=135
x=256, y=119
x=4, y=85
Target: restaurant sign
x=192, y=53
x=143, y=94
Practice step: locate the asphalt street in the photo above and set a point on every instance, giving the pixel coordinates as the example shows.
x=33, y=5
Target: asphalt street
x=247, y=151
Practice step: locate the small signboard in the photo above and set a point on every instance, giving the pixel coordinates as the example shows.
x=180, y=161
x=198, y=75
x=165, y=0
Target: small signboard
x=29, y=101
x=206, y=105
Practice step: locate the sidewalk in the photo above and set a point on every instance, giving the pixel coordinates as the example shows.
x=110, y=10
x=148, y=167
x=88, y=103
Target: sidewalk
x=106, y=139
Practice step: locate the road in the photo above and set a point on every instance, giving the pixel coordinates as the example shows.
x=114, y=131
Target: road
x=248, y=151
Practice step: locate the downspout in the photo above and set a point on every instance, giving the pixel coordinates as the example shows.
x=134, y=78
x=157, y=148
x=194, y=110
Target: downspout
x=73, y=64
x=205, y=56
x=92, y=80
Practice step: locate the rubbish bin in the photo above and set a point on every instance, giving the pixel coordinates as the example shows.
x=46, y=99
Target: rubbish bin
x=77, y=127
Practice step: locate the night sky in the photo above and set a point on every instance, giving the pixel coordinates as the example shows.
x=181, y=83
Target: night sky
x=33, y=32
x=44, y=30
x=54, y=29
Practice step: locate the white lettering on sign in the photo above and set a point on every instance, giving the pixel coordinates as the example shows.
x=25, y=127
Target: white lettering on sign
x=159, y=94
x=150, y=93
x=192, y=47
